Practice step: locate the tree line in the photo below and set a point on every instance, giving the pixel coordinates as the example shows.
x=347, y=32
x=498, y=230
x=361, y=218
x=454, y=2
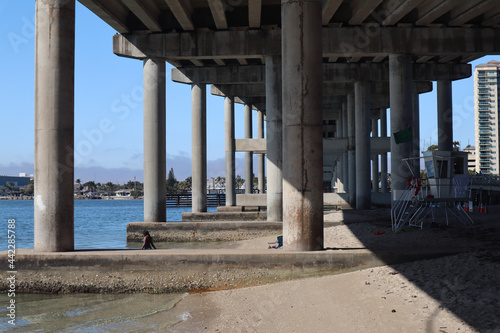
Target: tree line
x=172, y=185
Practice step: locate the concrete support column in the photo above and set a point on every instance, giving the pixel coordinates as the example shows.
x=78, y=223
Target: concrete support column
x=230, y=151
x=248, y=154
x=155, y=152
x=375, y=168
x=345, y=173
x=302, y=125
x=416, y=134
x=274, y=141
x=260, y=157
x=54, y=125
x=363, y=150
x=445, y=115
x=401, y=101
x=338, y=163
x=351, y=150
x=199, y=147
x=383, y=156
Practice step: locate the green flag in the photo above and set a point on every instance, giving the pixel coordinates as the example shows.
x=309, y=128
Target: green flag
x=403, y=136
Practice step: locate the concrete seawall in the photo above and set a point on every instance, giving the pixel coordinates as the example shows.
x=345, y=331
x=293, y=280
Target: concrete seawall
x=206, y=230
x=165, y=271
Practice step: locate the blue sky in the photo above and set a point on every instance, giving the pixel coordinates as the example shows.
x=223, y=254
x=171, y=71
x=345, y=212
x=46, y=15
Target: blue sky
x=109, y=88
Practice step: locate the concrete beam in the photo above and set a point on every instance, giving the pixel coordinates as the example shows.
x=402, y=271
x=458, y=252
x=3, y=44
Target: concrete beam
x=397, y=12
x=200, y=44
x=182, y=11
x=254, y=13
x=329, y=89
x=218, y=13
x=362, y=11
x=336, y=42
x=339, y=145
x=332, y=72
x=146, y=11
x=329, y=9
x=258, y=146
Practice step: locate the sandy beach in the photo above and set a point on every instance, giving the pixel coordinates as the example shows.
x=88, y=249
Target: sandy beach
x=455, y=293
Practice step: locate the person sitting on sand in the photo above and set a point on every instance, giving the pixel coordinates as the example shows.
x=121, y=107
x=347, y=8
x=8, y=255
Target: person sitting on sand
x=148, y=241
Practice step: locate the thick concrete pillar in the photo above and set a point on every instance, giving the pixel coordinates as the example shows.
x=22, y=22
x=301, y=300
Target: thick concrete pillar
x=383, y=156
x=345, y=173
x=54, y=125
x=445, y=115
x=375, y=168
x=351, y=150
x=260, y=157
x=274, y=141
x=363, y=144
x=302, y=125
x=155, y=152
x=248, y=154
x=230, y=151
x=416, y=134
x=401, y=101
x=199, y=147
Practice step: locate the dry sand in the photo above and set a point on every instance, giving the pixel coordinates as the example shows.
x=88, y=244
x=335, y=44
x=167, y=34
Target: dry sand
x=457, y=293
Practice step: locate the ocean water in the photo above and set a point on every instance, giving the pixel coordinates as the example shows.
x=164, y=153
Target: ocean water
x=99, y=224
x=92, y=313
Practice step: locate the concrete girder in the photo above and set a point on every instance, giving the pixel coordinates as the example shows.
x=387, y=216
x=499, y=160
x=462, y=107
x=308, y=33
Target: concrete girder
x=329, y=9
x=254, y=13
x=332, y=72
x=469, y=10
x=182, y=11
x=146, y=11
x=339, y=145
x=362, y=10
x=337, y=42
x=397, y=12
x=257, y=146
x=218, y=13
x=435, y=11
x=329, y=88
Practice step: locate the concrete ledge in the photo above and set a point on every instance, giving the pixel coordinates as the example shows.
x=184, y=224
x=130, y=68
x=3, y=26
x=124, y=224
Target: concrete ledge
x=202, y=231
x=225, y=216
x=181, y=270
x=229, y=209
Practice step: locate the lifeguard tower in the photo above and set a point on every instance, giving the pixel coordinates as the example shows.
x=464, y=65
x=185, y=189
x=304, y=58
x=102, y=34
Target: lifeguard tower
x=443, y=191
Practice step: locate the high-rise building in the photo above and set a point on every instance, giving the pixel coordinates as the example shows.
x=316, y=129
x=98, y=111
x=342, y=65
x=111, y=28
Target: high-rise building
x=486, y=116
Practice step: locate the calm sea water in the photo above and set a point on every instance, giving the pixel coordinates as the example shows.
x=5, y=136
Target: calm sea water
x=99, y=224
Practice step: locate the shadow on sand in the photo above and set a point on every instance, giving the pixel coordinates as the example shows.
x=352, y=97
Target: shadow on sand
x=467, y=283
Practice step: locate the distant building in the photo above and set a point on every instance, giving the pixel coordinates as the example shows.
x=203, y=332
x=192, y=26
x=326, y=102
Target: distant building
x=486, y=109
x=472, y=162
x=18, y=181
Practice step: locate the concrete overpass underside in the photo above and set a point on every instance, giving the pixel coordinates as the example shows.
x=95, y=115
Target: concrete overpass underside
x=322, y=72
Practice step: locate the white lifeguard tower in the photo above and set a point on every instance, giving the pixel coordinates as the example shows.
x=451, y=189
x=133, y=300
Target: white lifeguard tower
x=445, y=190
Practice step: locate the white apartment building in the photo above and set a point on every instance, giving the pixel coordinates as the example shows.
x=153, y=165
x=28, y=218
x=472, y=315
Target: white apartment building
x=486, y=109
